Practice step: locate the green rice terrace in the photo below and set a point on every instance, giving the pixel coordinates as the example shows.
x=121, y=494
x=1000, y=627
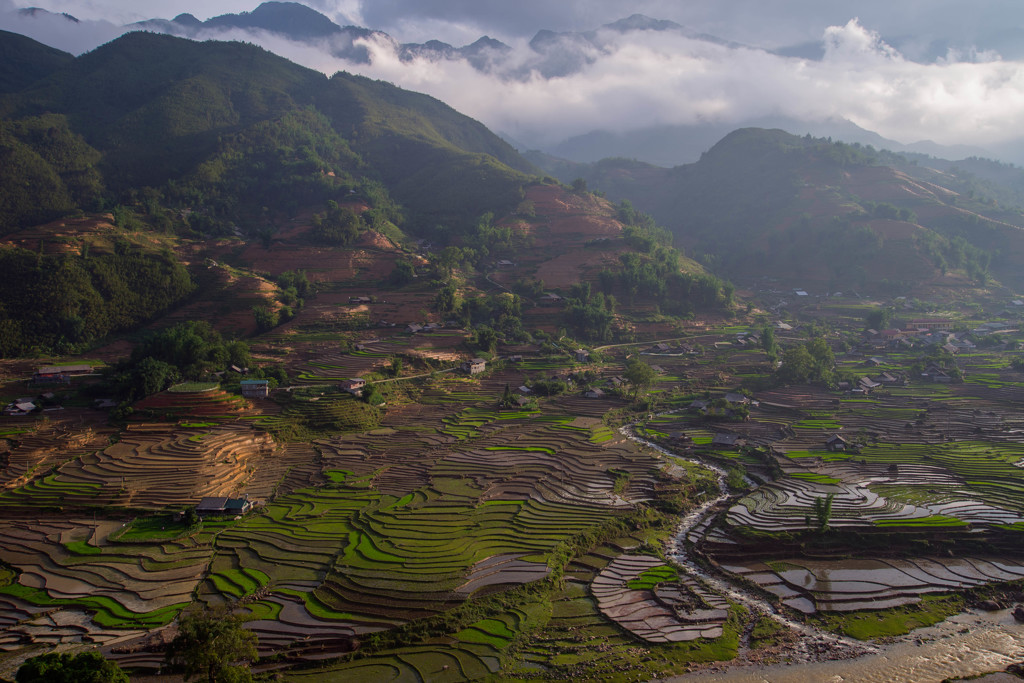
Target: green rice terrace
x=447, y=532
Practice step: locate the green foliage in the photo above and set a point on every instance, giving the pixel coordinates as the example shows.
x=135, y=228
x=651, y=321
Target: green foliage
x=640, y=375
x=878, y=318
x=228, y=134
x=735, y=478
x=768, y=343
x=46, y=171
x=650, y=578
x=84, y=667
x=189, y=350
x=24, y=61
x=590, y=316
x=823, y=511
x=62, y=301
x=338, y=226
x=812, y=361
x=266, y=319
x=210, y=644
x=403, y=274
x=658, y=274
x=485, y=339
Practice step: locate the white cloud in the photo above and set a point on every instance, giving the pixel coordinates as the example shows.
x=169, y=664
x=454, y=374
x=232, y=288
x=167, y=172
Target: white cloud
x=630, y=81
x=644, y=79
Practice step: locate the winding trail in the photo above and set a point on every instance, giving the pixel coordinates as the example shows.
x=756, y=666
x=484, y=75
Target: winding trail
x=814, y=644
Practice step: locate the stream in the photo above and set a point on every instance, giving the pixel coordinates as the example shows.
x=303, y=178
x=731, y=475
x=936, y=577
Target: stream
x=964, y=645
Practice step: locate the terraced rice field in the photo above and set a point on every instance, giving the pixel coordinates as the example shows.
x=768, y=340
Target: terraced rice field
x=809, y=586
x=153, y=467
x=671, y=612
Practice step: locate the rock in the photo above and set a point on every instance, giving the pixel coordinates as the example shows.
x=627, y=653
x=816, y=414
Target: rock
x=990, y=605
x=1018, y=613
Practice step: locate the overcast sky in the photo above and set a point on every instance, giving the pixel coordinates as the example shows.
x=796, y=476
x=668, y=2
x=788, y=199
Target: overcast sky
x=880, y=69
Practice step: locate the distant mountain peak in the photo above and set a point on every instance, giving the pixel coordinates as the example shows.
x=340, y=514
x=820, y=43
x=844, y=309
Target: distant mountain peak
x=290, y=18
x=186, y=19
x=642, y=22
x=39, y=12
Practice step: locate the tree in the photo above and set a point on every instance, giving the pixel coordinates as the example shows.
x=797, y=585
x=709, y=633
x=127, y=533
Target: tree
x=210, y=644
x=266, y=319
x=150, y=376
x=403, y=273
x=768, y=343
x=84, y=667
x=640, y=375
x=878, y=319
x=485, y=338
x=823, y=511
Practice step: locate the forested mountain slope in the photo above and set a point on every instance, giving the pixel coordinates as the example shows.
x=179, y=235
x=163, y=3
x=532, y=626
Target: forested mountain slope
x=767, y=203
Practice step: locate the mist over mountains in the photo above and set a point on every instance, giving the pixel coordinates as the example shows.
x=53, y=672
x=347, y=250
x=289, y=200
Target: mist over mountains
x=641, y=87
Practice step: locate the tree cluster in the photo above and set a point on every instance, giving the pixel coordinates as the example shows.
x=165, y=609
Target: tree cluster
x=63, y=302
x=812, y=361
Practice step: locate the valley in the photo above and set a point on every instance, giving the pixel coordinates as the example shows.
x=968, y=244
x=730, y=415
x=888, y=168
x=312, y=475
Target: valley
x=329, y=361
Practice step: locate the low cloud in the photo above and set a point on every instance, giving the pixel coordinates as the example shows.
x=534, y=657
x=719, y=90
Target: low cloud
x=640, y=79
x=621, y=82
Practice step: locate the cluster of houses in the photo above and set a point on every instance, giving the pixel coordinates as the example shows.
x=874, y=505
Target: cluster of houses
x=733, y=400
x=20, y=407
x=932, y=331
x=663, y=349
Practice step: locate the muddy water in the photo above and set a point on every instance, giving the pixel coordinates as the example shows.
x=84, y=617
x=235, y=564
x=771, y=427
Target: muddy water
x=965, y=645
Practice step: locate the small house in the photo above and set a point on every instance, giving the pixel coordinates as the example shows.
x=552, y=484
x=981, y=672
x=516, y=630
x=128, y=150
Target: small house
x=474, y=366
x=505, y=263
x=581, y=355
x=19, y=408
x=255, y=388
x=698, y=405
x=594, y=393
x=414, y=328
x=836, y=443
x=733, y=397
x=550, y=299
x=222, y=505
x=867, y=384
x=360, y=300
x=353, y=386
x=722, y=440
x=58, y=374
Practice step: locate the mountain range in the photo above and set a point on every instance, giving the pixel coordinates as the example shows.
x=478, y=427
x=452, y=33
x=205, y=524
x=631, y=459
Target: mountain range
x=233, y=139
x=550, y=55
